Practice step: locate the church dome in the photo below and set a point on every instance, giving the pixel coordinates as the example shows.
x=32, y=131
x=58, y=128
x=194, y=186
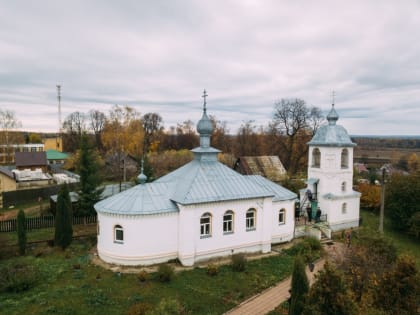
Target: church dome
x=204, y=126
x=332, y=134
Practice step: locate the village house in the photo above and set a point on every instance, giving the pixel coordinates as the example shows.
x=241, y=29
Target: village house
x=267, y=166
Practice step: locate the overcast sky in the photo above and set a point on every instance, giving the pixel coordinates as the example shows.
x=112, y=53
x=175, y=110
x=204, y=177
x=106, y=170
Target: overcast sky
x=158, y=56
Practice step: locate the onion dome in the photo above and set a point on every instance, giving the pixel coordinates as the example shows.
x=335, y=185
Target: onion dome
x=332, y=135
x=142, y=178
x=204, y=126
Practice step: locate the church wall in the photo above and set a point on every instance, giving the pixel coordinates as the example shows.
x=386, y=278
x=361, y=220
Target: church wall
x=220, y=244
x=282, y=232
x=148, y=239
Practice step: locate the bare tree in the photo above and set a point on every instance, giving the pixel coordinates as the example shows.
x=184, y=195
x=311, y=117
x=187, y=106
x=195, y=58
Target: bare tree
x=152, y=125
x=97, y=123
x=220, y=138
x=248, y=139
x=8, y=122
x=73, y=128
x=296, y=122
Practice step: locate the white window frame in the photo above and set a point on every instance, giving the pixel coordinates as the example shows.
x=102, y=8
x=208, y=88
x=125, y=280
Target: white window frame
x=251, y=221
x=205, y=225
x=118, y=234
x=282, y=216
x=228, y=219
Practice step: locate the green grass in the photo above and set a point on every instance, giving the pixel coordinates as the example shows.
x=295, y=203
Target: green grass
x=404, y=243
x=64, y=289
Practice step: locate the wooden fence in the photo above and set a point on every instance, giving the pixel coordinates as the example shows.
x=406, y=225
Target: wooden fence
x=42, y=222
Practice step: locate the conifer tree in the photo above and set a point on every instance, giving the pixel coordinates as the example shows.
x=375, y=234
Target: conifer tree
x=21, y=232
x=88, y=169
x=300, y=287
x=63, y=219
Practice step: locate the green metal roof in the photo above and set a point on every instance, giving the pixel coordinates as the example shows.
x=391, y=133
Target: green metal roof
x=56, y=155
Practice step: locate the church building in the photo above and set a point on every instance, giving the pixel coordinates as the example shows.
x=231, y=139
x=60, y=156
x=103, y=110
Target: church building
x=330, y=176
x=200, y=211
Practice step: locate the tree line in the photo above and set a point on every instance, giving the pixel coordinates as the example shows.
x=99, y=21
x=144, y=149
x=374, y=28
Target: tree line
x=125, y=131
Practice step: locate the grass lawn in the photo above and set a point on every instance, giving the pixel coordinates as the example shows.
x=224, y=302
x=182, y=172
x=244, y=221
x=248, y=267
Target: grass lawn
x=403, y=242
x=68, y=283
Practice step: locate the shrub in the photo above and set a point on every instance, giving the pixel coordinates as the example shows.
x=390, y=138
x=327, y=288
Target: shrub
x=142, y=275
x=167, y=306
x=17, y=278
x=140, y=309
x=165, y=273
x=238, y=262
x=306, y=248
x=313, y=243
x=212, y=269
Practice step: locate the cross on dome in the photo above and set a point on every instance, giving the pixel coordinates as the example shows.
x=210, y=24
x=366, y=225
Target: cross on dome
x=204, y=96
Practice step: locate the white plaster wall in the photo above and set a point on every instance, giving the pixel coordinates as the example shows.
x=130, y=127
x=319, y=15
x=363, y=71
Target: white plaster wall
x=333, y=208
x=282, y=232
x=193, y=248
x=148, y=239
x=330, y=174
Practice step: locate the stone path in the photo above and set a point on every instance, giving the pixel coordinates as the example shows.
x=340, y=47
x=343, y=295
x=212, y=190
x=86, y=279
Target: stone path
x=269, y=299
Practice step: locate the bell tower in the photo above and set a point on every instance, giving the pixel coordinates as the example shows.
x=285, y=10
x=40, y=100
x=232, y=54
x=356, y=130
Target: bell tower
x=330, y=175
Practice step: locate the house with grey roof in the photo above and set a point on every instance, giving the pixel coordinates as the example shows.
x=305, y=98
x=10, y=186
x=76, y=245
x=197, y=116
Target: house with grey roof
x=200, y=211
x=31, y=160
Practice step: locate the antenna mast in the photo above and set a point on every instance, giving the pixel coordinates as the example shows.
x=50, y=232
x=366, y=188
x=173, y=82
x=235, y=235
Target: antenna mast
x=59, y=118
x=59, y=107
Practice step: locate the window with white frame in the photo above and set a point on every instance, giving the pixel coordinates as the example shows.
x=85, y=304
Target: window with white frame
x=344, y=208
x=282, y=216
x=205, y=225
x=345, y=158
x=316, y=158
x=228, y=222
x=250, y=219
x=343, y=186
x=118, y=234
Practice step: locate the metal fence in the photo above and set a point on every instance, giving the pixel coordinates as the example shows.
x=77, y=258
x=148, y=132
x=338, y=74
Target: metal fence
x=42, y=222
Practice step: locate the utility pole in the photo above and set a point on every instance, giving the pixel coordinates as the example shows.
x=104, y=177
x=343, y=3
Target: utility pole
x=59, y=118
x=381, y=214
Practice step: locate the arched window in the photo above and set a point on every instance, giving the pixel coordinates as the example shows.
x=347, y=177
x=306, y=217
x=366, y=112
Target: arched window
x=316, y=158
x=344, y=208
x=118, y=234
x=205, y=225
x=282, y=216
x=251, y=219
x=343, y=186
x=228, y=222
x=345, y=158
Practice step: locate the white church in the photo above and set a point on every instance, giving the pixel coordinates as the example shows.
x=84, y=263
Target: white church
x=204, y=209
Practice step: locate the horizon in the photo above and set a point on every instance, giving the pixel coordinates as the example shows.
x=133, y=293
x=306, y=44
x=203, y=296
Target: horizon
x=158, y=57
